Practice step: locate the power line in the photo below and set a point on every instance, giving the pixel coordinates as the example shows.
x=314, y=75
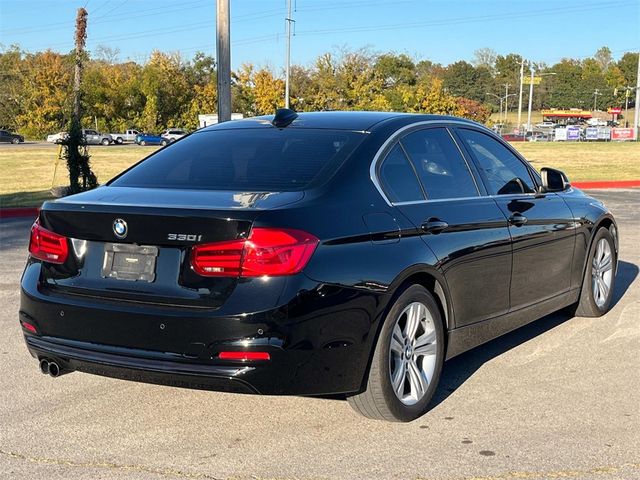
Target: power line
x=163, y=31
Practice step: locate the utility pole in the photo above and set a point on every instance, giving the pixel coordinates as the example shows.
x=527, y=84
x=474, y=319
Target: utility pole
x=595, y=98
x=636, y=119
x=289, y=21
x=223, y=52
x=529, y=129
x=627, y=93
x=520, y=95
x=81, y=40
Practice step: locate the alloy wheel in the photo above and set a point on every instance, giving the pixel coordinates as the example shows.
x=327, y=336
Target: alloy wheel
x=412, y=353
x=602, y=272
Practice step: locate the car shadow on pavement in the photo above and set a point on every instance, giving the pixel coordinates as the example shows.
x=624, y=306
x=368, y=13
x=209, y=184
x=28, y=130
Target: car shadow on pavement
x=459, y=369
x=627, y=273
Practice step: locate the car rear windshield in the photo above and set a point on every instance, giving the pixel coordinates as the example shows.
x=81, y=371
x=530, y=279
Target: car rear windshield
x=262, y=159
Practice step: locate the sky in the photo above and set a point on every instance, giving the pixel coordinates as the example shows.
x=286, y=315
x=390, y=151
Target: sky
x=436, y=30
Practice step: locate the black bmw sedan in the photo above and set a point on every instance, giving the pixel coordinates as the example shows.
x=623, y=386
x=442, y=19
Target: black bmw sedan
x=321, y=253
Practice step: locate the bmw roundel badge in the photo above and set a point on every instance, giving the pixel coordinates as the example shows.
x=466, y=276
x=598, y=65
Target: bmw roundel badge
x=119, y=228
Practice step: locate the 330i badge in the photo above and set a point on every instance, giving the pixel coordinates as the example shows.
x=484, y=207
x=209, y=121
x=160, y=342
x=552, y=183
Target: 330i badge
x=321, y=253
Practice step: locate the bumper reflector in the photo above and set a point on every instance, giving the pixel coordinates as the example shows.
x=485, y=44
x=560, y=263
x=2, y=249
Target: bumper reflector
x=28, y=326
x=245, y=356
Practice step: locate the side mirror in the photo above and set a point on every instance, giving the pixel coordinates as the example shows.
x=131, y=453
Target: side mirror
x=554, y=180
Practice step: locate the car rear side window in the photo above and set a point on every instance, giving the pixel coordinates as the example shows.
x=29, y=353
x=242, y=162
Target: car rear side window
x=398, y=178
x=249, y=160
x=505, y=173
x=443, y=171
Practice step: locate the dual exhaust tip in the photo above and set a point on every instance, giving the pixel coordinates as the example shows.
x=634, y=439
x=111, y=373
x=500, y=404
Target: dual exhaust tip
x=51, y=368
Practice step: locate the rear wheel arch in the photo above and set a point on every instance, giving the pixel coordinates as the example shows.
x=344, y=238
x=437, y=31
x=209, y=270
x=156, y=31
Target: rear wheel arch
x=434, y=283
x=431, y=280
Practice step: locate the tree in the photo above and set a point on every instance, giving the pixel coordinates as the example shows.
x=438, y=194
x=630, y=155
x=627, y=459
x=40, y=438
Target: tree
x=594, y=80
x=201, y=70
x=75, y=152
x=464, y=80
x=507, y=72
x=166, y=90
x=11, y=87
x=325, y=93
x=301, y=87
x=395, y=70
x=268, y=92
x=565, y=88
x=628, y=65
x=242, y=97
x=473, y=110
x=107, y=54
x=45, y=100
x=603, y=57
x=485, y=57
x=433, y=99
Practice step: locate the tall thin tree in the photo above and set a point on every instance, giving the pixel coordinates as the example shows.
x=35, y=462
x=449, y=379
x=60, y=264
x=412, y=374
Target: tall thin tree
x=77, y=156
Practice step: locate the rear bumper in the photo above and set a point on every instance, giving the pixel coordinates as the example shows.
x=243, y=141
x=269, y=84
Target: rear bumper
x=89, y=358
x=319, y=340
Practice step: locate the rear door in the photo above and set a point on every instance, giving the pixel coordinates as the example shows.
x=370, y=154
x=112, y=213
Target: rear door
x=427, y=178
x=541, y=225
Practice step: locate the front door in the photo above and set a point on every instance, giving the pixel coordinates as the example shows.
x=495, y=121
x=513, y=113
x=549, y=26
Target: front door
x=541, y=225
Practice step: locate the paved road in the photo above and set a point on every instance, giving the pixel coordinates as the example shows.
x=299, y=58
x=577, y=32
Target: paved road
x=559, y=398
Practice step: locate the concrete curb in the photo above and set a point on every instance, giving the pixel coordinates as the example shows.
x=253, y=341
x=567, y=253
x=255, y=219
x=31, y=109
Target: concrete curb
x=607, y=184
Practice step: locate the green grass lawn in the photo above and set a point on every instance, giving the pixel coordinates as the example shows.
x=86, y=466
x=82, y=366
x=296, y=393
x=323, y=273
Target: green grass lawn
x=27, y=172
x=586, y=161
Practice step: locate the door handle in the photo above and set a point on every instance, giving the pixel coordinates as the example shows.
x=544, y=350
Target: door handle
x=517, y=219
x=434, y=225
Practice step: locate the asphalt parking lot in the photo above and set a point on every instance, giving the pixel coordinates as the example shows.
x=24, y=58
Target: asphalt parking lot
x=559, y=398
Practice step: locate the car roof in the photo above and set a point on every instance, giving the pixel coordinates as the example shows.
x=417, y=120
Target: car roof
x=335, y=120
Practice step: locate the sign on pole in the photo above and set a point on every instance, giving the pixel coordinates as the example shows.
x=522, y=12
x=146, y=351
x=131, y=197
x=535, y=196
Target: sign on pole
x=527, y=80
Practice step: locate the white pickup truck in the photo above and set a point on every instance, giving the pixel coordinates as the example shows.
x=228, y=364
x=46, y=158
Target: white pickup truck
x=127, y=136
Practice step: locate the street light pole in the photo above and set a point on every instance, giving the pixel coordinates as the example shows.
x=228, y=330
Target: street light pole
x=530, y=100
x=520, y=95
x=636, y=119
x=506, y=100
x=529, y=128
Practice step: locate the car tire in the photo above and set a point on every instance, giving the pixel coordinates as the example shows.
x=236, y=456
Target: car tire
x=105, y=142
x=143, y=143
x=119, y=141
x=15, y=141
x=599, y=276
x=163, y=143
x=401, y=382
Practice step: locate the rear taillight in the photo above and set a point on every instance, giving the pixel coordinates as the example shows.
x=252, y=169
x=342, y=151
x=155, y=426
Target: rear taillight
x=267, y=251
x=48, y=246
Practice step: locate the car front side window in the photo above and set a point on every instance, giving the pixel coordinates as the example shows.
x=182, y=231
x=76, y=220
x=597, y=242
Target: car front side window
x=503, y=171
